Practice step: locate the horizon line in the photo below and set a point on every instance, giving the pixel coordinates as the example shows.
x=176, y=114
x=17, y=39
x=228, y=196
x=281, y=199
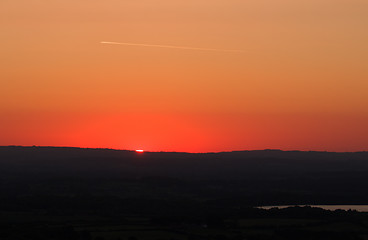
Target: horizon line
x=210, y=152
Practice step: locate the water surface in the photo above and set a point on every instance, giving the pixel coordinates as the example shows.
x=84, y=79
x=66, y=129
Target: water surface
x=360, y=208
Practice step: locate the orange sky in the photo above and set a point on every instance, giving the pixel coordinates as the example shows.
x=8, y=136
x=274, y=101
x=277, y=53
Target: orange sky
x=300, y=82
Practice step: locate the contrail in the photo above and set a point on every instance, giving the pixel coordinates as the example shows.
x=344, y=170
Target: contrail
x=171, y=46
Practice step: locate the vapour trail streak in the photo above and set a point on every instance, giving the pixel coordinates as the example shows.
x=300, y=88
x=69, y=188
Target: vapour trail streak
x=171, y=46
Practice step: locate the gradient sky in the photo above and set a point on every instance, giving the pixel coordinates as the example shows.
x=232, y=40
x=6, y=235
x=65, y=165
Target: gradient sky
x=300, y=82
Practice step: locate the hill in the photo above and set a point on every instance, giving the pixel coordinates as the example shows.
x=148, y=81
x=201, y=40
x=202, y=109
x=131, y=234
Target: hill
x=79, y=194
x=256, y=177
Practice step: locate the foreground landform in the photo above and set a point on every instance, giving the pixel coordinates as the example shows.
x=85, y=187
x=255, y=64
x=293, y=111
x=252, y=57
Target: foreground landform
x=74, y=193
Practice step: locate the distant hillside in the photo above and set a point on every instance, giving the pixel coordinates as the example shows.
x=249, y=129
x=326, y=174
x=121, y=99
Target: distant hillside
x=256, y=177
x=119, y=163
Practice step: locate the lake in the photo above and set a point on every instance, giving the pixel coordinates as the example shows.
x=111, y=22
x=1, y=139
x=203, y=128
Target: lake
x=360, y=208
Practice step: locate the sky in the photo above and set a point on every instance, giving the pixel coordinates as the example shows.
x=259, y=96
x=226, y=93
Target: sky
x=296, y=80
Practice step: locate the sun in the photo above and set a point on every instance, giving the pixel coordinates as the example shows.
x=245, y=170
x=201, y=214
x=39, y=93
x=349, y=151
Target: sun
x=139, y=151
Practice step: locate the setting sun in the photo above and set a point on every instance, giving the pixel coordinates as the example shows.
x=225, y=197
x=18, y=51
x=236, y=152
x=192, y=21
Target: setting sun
x=139, y=151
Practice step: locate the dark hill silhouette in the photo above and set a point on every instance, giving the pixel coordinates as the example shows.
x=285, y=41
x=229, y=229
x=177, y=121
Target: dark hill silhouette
x=75, y=193
x=230, y=165
x=252, y=177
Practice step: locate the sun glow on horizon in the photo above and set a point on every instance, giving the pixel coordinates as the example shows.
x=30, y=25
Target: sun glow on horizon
x=139, y=151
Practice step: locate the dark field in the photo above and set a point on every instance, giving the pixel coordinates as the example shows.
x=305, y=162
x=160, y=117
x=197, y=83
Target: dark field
x=292, y=223
x=70, y=193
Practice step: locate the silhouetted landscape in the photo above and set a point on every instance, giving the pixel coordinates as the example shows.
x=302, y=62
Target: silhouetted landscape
x=74, y=193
